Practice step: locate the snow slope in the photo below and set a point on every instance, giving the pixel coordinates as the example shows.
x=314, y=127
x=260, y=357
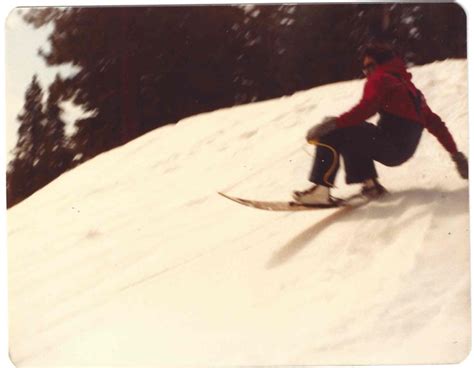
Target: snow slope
x=132, y=258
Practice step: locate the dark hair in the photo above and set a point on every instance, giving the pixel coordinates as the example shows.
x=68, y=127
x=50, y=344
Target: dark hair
x=380, y=52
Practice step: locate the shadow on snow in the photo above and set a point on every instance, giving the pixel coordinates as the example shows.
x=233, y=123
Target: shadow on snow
x=431, y=200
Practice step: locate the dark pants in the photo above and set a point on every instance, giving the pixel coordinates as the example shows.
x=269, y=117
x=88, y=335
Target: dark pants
x=391, y=142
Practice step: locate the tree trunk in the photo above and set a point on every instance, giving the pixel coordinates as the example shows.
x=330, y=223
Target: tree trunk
x=128, y=79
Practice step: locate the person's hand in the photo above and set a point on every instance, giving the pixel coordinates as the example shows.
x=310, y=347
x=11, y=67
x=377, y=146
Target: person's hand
x=461, y=164
x=325, y=127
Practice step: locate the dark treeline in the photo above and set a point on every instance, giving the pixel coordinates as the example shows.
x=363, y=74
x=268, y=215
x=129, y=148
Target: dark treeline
x=143, y=67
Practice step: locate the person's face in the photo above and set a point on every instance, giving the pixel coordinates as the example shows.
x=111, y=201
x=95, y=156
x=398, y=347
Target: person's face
x=368, y=65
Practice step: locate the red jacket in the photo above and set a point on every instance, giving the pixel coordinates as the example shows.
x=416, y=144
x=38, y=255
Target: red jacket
x=389, y=89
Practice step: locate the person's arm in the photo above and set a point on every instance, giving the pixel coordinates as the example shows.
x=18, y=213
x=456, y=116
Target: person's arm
x=368, y=106
x=438, y=128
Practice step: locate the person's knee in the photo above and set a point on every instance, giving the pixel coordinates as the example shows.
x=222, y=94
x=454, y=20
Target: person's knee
x=393, y=161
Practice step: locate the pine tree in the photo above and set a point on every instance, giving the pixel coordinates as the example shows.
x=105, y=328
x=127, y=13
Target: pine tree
x=141, y=68
x=23, y=176
x=57, y=157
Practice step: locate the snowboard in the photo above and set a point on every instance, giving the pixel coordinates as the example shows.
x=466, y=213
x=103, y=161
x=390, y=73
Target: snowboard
x=352, y=201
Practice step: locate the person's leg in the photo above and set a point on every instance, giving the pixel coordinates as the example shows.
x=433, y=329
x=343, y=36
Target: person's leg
x=360, y=146
x=323, y=173
x=392, y=142
x=389, y=144
x=357, y=150
x=326, y=162
x=355, y=145
x=352, y=143
x=397, y=142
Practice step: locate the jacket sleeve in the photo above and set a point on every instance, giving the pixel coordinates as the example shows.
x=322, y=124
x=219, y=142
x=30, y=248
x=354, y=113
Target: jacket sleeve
x=438, y=128
x=367, y=106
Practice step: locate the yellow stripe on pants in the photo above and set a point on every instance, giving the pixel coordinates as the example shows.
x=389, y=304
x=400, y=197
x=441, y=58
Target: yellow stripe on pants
x=335, y=160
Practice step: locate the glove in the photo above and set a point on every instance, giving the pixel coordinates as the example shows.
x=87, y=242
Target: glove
x=461, y=164
x=325, y=127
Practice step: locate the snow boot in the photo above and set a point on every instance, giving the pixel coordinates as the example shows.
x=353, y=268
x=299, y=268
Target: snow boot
x=316, y=195
x=373, y=189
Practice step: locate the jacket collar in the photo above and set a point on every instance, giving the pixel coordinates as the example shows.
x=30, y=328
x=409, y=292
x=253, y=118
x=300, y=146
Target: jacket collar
x=394, y=66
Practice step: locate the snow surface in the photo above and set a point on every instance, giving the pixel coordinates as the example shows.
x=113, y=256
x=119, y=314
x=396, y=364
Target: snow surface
x=133, y=259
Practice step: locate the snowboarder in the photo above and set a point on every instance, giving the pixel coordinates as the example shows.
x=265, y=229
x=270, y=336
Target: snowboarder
x=404, y=114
